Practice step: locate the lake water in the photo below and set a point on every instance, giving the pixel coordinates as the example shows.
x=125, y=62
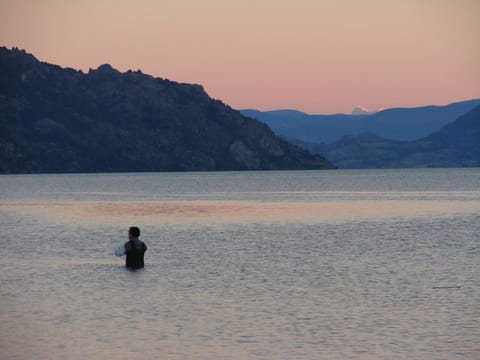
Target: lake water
x=242, y=265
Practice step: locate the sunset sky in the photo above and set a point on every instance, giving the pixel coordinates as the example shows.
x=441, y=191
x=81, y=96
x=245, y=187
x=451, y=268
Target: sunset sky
x=317, y=56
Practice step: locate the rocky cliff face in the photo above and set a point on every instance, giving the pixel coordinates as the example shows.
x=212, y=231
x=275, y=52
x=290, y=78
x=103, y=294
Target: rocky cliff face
x=54, y=119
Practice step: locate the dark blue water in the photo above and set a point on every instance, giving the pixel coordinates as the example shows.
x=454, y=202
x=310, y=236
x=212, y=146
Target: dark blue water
x=264, y=265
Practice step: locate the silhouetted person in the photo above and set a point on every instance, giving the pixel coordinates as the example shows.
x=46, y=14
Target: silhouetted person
x=134, y=249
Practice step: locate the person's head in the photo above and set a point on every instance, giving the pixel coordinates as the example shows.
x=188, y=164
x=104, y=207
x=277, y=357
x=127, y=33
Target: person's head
x=133, y=232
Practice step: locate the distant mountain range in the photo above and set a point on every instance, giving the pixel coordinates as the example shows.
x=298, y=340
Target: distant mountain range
x=457, y=144
x=55, y=119
x=394, y=124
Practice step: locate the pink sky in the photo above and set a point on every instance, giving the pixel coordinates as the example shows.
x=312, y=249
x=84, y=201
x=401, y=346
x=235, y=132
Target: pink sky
x=317, y=56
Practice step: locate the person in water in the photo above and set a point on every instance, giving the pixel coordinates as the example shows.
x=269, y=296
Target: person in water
x=134, y=249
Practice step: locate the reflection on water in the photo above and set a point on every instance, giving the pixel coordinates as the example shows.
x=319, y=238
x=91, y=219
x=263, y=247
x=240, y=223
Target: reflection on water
x=240, y=211
x=343, y=274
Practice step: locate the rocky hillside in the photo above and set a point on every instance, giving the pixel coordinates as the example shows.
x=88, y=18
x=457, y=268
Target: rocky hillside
x=455, y=145
x=55, y=119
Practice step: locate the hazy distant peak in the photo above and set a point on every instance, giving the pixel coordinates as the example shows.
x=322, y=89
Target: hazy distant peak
x=360, y=110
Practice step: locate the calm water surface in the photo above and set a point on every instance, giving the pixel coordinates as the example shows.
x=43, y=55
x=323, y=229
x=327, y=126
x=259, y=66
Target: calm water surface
x=242, y=265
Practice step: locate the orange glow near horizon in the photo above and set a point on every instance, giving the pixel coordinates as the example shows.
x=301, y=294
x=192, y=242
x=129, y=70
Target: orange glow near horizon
x=315, y=56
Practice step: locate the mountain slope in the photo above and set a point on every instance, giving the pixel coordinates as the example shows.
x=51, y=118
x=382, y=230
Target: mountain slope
x=397, y=124
x=61, y=120
x=455, y=145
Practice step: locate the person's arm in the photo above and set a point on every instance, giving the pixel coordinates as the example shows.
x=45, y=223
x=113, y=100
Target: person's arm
x=120, y=251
